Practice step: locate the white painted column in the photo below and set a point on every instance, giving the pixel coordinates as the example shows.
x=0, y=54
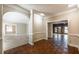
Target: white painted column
x=52, y=30
x=31, y=27
x=46, y=30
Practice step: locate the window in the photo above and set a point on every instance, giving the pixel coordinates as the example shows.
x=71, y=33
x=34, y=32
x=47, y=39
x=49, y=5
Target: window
x=10, y=29
x=59, y=29
x=65, y=29
x=55, y=29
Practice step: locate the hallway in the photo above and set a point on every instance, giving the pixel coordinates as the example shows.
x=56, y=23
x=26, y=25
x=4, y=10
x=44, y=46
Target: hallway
x=60, y=39
x=61, y=42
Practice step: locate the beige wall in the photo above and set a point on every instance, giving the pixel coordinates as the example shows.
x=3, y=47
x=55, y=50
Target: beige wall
x=73, y=24
x=21, y=28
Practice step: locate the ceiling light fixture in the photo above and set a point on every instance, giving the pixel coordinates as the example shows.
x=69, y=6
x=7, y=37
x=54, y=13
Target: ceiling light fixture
x=42, y=14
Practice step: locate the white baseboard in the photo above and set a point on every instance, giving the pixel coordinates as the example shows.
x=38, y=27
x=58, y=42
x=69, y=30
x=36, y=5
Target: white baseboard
x=31, y=43
x=40, y=39
x=5, y=49
x=75, y=35
x=74, y=46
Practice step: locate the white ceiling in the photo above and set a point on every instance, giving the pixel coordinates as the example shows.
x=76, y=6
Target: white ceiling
x=47, y=9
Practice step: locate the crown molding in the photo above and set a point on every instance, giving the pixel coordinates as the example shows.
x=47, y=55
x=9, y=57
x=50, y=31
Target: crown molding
x=64, y=12
x=15, y=7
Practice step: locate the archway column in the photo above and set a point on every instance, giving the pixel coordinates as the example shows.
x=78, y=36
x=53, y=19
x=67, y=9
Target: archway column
x=31, y=23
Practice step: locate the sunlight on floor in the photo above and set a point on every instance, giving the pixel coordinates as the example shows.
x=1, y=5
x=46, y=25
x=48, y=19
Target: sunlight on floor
x=61, y=39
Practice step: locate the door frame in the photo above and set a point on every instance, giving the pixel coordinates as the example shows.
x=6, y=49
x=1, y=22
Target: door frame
x=55, y=21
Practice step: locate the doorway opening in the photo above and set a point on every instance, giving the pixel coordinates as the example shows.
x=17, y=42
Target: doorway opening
x=58, y=31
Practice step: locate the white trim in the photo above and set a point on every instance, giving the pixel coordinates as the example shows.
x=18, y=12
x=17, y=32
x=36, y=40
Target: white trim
x=30, y=33
x=39, y=39
x=64, y=12
x=53, y=21
x=11, y=25
x=46, y=30
x=5, y=49
x=17, y=8
x=15, y=35
x=74, y=46
x=57, y=20
x=30, y=43
x=38, y=33
x=75, y=35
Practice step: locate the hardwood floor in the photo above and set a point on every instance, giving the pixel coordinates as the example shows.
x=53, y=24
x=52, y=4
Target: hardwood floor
x=43, y=47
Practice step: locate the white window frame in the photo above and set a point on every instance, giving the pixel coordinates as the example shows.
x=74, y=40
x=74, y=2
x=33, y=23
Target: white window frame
x=10, y=25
